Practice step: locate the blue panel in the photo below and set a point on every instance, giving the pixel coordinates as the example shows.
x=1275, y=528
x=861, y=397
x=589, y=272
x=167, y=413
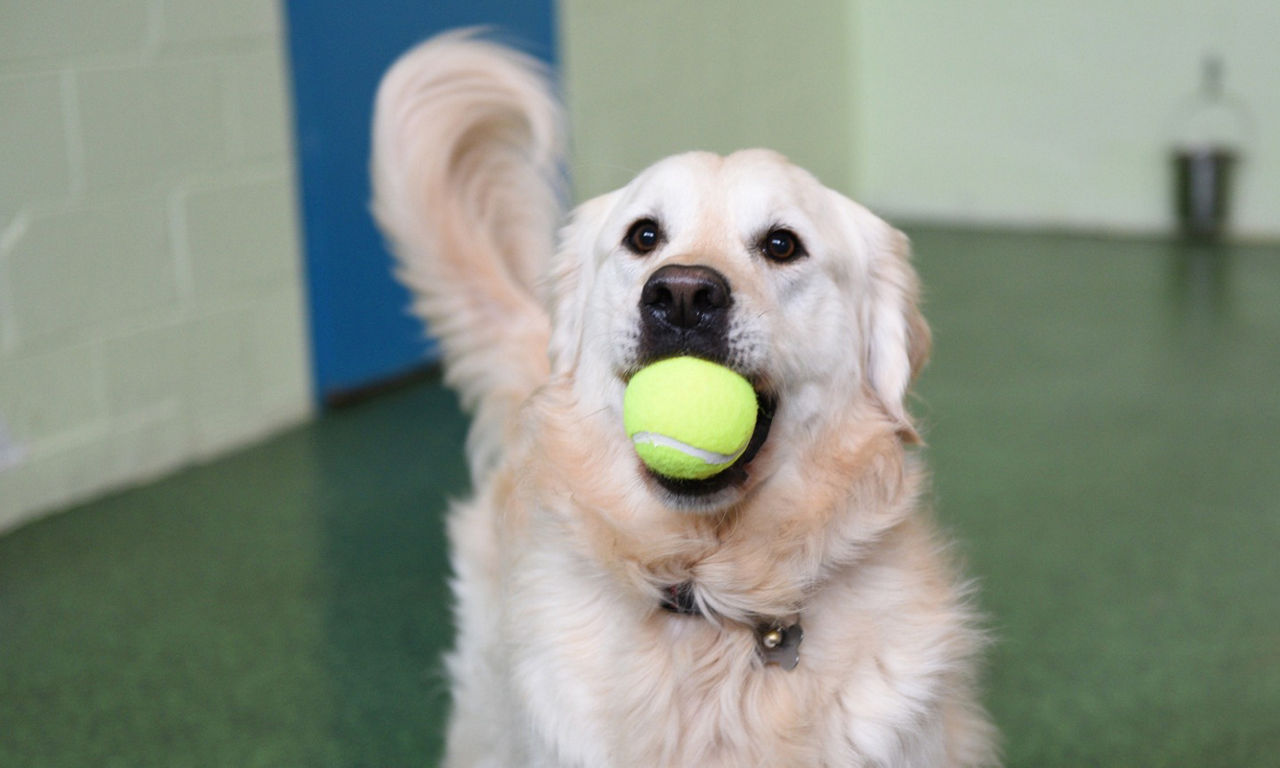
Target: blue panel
x=360, y=328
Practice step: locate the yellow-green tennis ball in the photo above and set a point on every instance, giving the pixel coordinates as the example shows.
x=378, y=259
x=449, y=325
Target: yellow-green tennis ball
x=688, y=418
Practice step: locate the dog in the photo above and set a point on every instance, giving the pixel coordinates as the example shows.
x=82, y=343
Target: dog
x=797, y=609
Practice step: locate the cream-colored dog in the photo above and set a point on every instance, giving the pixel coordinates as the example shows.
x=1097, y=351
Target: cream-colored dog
x=797, y=609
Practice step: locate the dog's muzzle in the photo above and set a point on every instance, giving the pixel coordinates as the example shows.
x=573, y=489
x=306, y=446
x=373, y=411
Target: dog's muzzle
x=684, y=310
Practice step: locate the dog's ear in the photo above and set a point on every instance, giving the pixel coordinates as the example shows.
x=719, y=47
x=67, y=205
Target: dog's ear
x=896, y=338
x=572, y=275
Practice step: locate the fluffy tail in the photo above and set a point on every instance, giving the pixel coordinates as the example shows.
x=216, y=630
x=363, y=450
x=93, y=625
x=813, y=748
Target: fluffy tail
x=466, y=151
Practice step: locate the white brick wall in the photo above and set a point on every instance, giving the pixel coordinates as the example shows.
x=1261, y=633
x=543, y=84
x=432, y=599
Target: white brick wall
x=151, y=308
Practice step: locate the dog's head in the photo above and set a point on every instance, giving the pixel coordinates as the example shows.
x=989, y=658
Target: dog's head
x=748, y=261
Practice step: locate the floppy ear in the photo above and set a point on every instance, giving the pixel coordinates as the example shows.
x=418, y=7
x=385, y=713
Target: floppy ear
x=897, y=338
x=572, y=274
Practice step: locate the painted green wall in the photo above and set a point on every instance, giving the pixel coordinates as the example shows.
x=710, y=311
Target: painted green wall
x=1054, y=113
x=645, y=80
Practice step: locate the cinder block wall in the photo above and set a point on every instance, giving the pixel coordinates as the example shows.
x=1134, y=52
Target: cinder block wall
x=151, y=308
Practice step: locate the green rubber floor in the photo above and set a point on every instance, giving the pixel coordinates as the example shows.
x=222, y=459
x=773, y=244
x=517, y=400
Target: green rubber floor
x=1104, y=425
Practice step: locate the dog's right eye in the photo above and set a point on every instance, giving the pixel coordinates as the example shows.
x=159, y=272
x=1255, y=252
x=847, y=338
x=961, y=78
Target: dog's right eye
x=644, y=236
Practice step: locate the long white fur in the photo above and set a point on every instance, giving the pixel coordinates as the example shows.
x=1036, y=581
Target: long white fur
x=563, y=657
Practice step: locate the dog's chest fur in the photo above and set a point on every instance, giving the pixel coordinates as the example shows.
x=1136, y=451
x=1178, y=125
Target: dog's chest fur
x=607, y=680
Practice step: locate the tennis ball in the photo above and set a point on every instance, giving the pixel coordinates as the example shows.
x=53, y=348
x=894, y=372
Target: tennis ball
x=688, y=418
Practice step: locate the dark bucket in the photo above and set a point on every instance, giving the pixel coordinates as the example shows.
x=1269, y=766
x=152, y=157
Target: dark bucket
x=1203, y=189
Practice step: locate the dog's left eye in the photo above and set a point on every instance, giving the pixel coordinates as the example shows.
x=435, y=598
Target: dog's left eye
x=782, y=245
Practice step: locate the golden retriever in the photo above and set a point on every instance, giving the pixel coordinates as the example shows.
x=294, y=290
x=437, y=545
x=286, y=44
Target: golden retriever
x=797, y=609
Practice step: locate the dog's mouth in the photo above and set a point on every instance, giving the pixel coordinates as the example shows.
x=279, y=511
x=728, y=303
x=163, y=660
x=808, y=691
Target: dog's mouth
x=735, y=474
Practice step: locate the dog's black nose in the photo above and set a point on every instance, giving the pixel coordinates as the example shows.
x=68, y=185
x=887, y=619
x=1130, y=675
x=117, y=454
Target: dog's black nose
x=686, y=298
x=684, y=310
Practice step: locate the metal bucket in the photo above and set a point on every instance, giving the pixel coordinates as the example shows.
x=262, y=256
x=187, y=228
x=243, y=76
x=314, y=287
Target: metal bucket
x=1202, y=184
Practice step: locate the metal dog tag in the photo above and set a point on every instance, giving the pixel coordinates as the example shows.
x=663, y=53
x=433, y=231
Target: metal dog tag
x=780, y=645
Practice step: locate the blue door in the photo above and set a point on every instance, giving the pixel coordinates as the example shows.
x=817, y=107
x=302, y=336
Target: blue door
x=361, y=332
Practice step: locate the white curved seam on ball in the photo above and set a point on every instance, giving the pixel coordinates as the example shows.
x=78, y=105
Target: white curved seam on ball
x=707, y=457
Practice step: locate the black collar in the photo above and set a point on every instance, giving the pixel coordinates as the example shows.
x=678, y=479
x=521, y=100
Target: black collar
x=777, y=642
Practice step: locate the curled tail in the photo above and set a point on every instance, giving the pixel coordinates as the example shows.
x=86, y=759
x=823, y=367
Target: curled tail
x=465, y=167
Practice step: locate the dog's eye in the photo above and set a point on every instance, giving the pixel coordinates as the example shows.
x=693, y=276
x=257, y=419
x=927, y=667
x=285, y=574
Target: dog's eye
x=643, y=237
x=782, y=245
